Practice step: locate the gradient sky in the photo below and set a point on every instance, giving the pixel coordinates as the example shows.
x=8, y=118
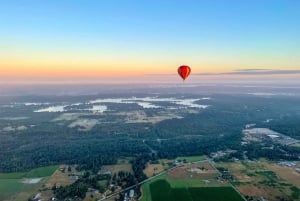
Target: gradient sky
x=103, y=38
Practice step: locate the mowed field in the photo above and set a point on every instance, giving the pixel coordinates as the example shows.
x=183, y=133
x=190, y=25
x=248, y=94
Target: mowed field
x=163, y=164
x=191, y=158
x=161, y=190
x=153, y=169
x=190, y=182
x=197, y=171
x=13, y=187
x=117, y=168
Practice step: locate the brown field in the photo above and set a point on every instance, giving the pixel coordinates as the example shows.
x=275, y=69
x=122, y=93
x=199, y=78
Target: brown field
x=124, y=160
x=260, y=191
x=141, y=117
x=238, y=170
x=61, y=179
x=286, y=173
x=95, y=197
x=250, y=182
x=164, y=163
x=185, y=172
x=47, y=194
x=118, y=167
x=153, y=169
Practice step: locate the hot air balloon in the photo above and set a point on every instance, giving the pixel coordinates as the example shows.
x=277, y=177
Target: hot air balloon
x=184, y=71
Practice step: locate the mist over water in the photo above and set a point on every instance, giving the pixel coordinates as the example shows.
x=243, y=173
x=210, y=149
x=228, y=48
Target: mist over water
x=196, y=84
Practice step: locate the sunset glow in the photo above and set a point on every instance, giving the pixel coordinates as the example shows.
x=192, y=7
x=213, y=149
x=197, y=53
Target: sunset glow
x=76, y=39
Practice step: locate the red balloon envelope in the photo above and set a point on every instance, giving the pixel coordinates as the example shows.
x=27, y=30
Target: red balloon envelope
x=184, y=71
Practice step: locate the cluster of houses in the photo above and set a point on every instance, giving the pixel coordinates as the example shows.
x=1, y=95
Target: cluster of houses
x=290, y=164
x=129, y=197
x=262, y=134
x=104, y=172
x=220, y=154
x=178, y=163
x=92, y=192
x=38, y=197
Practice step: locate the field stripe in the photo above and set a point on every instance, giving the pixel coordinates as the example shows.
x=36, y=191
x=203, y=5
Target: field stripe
x=190, y=195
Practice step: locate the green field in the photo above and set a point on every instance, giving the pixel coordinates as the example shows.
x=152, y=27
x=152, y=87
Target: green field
x=191, y=158
x=34, y=173
x=185, y=183
x=161, y=190
x=175, y=183
x=11, y=185
x=146, y=188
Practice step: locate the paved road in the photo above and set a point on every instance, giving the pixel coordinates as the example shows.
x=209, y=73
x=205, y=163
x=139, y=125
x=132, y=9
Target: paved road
x=165, y=171
x=149, y=179
x=213, y=165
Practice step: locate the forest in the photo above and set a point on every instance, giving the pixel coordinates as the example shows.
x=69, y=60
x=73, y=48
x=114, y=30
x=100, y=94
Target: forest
x=219, y=127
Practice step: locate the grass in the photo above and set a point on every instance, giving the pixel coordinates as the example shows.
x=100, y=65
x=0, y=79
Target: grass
x=183, y=183
x=161, y=190
x=178, y=181
x=191, y=158
x=152, y=169
x=13, y=189
x=42, y=172
x=166, y=163
x=295, y=192
x=11, y=185
x=127, y=167
x=264, y=178
x=34, y=173
x=146, y=188
x=215, y=193
x=270, y=178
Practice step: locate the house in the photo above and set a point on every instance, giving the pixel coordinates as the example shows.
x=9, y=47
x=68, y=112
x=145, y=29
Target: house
x=104, y=172
x=287, y=163
x=73, y=177
x=131, y=193
x=92, y=191
x=125, y=197
x=37, y=197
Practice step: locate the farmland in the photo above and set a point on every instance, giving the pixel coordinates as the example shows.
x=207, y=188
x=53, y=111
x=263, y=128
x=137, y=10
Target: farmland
x=214, y=193
x=153, y=169
x=196, y=171
x=191, y=158
x=117, y=168
x=34, y=173
x=21, y=185
x=161, y=190
x=60, y=177
x=190, y=182
x=138, y=141
x=264, y=179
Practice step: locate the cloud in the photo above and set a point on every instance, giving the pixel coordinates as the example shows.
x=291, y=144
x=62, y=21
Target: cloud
x=255, y=72
x=250, y=71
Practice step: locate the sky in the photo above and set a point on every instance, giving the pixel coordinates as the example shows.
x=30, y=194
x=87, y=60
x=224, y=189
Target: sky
x=58, y=39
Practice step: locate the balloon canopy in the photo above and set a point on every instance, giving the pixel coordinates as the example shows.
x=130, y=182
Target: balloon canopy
x=184, y=71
